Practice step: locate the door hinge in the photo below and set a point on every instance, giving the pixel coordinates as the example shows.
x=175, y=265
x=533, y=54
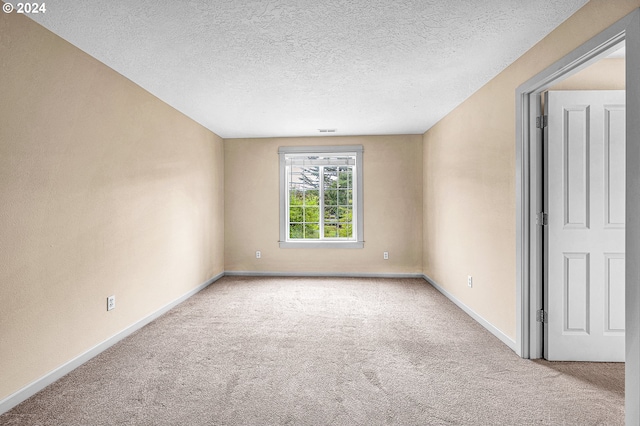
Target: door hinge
x=541, y=316
x=541, y=122
x=542, y=219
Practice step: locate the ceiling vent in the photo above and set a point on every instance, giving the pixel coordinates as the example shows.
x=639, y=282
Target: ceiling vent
x=327, y=130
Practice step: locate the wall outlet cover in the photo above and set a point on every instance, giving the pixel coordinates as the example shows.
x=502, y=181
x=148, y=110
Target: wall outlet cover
x=111, y=302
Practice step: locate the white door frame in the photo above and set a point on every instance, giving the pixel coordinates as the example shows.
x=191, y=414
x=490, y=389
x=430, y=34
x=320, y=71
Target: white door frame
x=528, y=200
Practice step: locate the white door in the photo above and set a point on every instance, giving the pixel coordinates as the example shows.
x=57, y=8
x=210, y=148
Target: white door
x=584, y=198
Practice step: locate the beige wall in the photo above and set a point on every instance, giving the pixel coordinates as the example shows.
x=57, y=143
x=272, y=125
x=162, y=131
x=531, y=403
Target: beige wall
x=104, y=190
x=392, y=170
x=469, y=176
x=606, y=74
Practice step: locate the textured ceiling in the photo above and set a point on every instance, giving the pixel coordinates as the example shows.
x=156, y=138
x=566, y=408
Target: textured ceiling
x=291, y=67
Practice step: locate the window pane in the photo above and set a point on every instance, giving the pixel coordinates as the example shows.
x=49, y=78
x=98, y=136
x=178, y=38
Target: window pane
x=312, y=214
x=296, y=214
x=330, y=214
x=312, y=197
x=330, y=174
x=296, y=198
x=311, y=231
x=330, y=230
x=345, y=197
x=345, y=230
x=345, y=177
x=295, y=230
x=330, y=178
x=345, y=214
x=295, y=182
x=330, y=197
x=310, y=177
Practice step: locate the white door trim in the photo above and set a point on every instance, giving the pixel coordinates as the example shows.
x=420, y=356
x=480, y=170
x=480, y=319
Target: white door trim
x=528, y=173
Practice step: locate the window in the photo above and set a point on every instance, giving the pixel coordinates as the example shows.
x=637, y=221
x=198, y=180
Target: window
x=321, y=197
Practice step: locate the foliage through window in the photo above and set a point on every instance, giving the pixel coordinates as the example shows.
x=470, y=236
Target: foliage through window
x=320, y=200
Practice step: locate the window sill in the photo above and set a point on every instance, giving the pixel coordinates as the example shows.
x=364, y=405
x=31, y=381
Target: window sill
x=323, y=244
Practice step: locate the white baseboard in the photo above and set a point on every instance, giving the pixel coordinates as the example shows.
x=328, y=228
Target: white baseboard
x=321, y=274
x=39, y=384
x=483, y=322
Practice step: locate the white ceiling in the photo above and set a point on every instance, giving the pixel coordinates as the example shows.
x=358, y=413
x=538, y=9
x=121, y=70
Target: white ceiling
x=290, y=67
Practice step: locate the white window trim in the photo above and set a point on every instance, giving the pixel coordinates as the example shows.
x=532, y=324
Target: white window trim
x=358, y=242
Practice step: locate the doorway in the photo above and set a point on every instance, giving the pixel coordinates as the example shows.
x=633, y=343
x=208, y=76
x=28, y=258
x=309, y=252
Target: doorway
x=529, y=296
x=583, y=142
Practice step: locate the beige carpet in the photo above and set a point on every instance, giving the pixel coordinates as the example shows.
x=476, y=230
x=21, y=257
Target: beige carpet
x=317, y=351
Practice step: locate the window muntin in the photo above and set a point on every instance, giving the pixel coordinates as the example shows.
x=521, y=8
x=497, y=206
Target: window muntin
x=321, y=200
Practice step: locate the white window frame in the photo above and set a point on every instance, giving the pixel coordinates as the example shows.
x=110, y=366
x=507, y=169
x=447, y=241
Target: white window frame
x=358, y=238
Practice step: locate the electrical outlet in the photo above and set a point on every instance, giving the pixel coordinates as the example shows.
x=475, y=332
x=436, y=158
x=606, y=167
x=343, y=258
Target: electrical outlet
x=385, y=255
x=469, y=281
x=111, y=302
x=258, y=254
